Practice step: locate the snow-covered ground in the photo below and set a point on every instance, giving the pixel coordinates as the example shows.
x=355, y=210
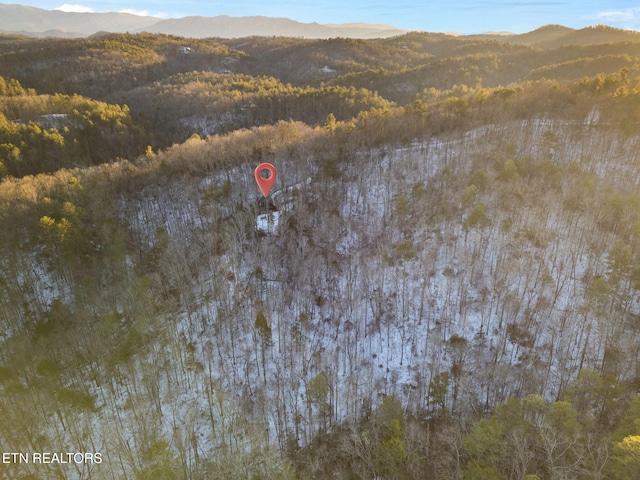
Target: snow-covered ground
x=380, y=307
x=373, y=296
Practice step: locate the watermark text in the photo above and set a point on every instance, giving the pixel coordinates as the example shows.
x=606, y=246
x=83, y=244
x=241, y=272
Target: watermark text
x=51, y=457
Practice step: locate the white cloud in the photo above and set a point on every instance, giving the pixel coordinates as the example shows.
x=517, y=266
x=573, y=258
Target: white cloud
x=142, y=13
x=133, y=11
x=618, y=16
x=75, y=8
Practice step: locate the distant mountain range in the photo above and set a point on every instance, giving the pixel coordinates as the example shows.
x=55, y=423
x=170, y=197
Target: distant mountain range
x=36, y=22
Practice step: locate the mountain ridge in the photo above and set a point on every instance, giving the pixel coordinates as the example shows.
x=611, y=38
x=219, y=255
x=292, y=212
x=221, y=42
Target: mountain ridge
x=37, y=22
x=34, y=21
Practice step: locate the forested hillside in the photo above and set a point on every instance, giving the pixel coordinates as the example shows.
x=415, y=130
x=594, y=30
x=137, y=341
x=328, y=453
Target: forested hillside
x=445, y=282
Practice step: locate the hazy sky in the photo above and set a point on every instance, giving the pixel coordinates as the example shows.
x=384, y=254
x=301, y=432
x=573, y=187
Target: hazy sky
x=464, y=16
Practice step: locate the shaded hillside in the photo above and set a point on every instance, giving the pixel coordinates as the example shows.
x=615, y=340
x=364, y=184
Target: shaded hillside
x=106, y=64
x=217, y=103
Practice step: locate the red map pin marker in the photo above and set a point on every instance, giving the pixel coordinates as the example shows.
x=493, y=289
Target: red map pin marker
x=265, y=182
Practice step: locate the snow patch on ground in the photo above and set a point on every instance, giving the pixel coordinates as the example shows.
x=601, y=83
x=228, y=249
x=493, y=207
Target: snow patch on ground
x=375, y=302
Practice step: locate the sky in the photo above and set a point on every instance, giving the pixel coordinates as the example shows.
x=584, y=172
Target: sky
x=463, y=16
